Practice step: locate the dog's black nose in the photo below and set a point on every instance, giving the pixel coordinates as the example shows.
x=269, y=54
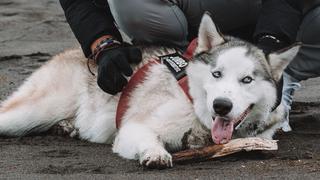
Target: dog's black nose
x=222, y=106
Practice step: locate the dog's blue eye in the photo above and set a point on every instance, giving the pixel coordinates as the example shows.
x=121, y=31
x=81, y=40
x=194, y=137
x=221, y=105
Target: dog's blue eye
x=247, y=80
x=216, y=74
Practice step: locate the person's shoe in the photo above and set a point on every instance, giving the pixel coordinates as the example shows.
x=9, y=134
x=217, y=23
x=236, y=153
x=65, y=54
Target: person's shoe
x=290, y=84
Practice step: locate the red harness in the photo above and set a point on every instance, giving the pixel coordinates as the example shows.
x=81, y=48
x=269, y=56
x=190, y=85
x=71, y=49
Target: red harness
x=137, y=78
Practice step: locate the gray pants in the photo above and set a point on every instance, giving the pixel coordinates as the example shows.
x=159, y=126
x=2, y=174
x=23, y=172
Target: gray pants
x=175, y=22
x=307, y=63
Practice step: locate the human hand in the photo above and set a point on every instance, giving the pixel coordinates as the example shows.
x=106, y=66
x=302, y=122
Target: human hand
x=114, y=65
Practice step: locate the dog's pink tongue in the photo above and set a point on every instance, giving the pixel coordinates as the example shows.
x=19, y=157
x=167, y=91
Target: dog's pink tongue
x=221, y=130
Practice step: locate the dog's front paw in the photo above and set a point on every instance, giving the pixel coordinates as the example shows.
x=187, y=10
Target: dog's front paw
x=156, y=159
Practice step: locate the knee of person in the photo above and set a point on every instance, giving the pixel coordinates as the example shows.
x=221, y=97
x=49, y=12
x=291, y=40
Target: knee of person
x=149, y=21
x=125, y=11
x=310, y=28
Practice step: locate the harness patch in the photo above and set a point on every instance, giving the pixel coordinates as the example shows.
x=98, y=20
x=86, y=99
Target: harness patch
x=176, y=63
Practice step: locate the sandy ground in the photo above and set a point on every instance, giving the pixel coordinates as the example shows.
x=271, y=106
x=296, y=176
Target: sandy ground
x=31, y=31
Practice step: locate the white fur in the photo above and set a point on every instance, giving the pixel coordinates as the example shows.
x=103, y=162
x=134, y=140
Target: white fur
x=159, y=116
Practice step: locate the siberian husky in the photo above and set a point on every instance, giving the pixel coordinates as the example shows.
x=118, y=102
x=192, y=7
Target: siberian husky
x=231, y=82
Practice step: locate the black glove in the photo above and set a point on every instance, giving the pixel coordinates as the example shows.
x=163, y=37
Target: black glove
x=113, y=65
x=269, y=44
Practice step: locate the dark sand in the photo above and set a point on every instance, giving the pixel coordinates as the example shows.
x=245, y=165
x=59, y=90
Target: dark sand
x=31, y=31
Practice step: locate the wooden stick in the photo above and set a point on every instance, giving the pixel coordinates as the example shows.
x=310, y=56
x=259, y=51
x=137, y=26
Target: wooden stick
x=235, y=145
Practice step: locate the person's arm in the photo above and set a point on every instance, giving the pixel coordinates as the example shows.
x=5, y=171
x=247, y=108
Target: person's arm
x=278, y=23
x=94, y=28
x=89, y=22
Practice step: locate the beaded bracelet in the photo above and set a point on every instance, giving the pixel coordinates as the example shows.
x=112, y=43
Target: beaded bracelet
x=105, y=44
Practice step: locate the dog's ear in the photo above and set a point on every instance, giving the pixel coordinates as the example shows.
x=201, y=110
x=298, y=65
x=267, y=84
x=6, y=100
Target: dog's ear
x=281, y=59
x=208, y=36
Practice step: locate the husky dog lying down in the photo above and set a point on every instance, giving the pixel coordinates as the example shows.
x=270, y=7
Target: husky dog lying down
x=232, y=85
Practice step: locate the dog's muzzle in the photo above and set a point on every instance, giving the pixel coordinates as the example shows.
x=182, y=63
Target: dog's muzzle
x=222, y=128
